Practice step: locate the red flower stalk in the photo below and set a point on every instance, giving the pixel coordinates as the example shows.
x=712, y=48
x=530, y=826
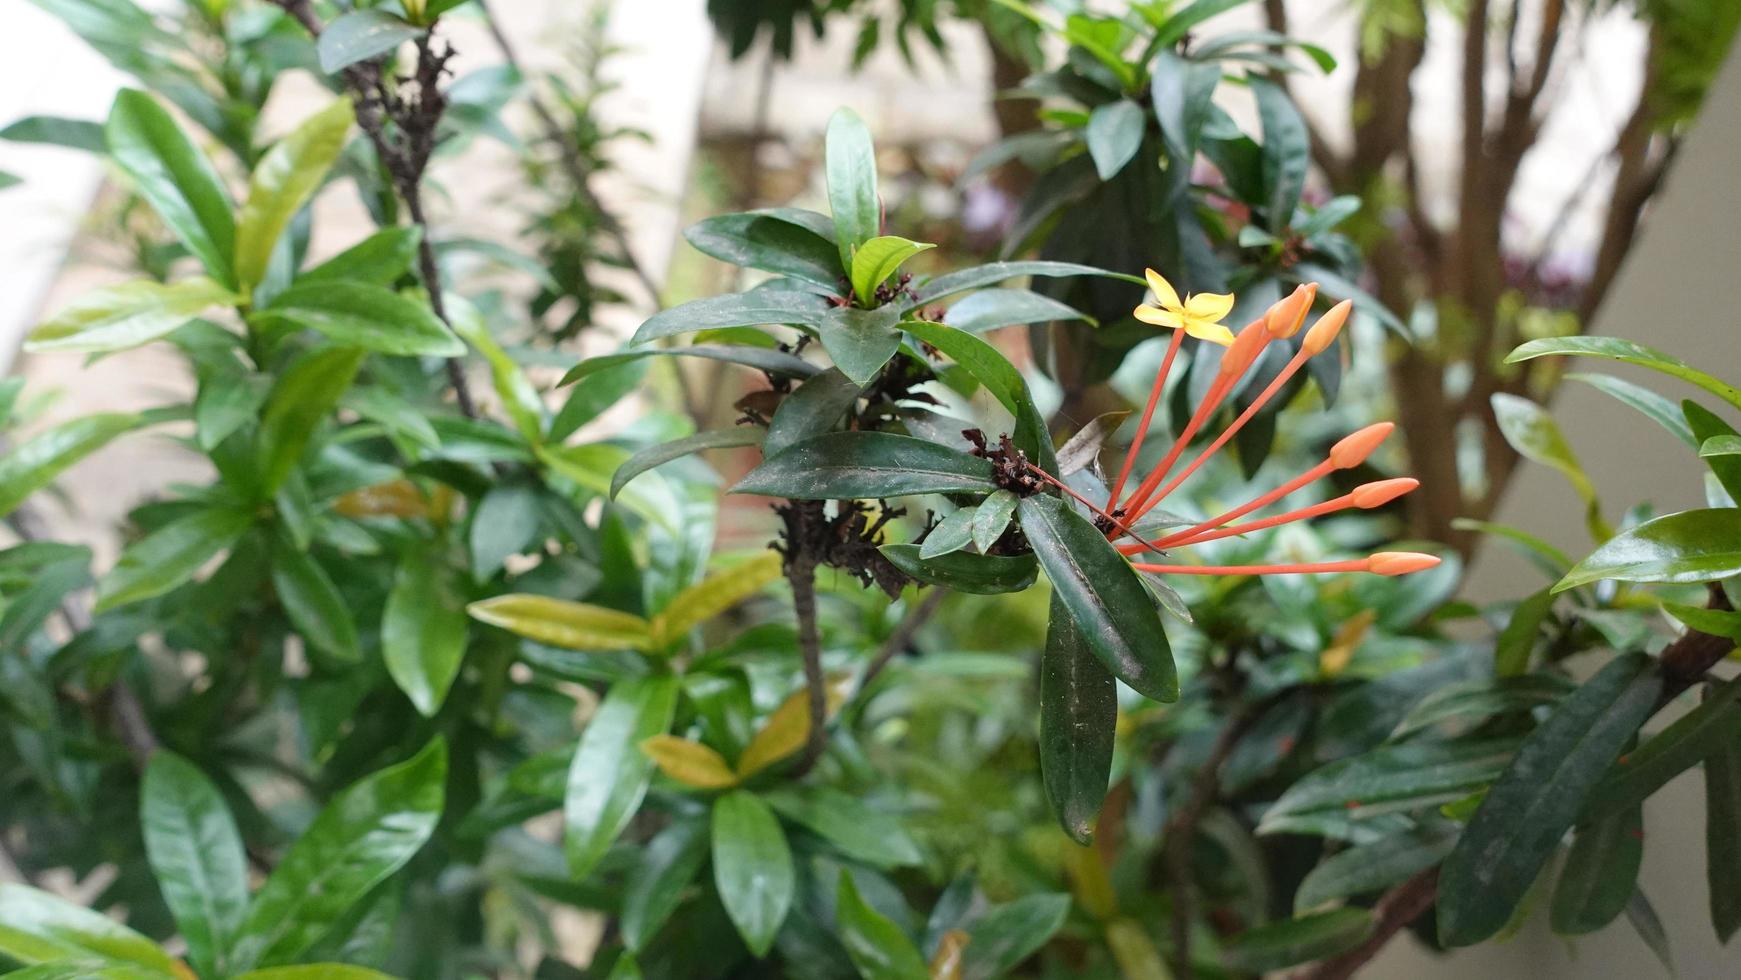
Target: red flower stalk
x=1199, y=316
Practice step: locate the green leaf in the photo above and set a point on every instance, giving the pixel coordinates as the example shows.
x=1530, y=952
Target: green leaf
x=665, y=452
x=559, y=622
x=196, y=855
x=1531, y=431
x=669, y=863
x=1374, y=867
x=112, y=318
x=990, y=309
x=752, y=868
x=1113, y=135
x=610, y=773
x=379, y=259
x=992, y=273
x=1532, y=805
x=1078, y=725
x=1626, y=352
x=784, y=241
x=1010, y=933
x=860, y=341
x=358, y=314
x=851, y=165
x=1717, y=622
x=991, y=517
x=1644, y=921
x=813, y=408
x=519, y=398
x=1723, y=829
x=859, y=832
x=1692, y=546
x=1286, y=151
x=315, y=971
x=596, y=392
x=1693, y=737
x=423, y=630
x=283, y=181
x=34, y=464
x=170, y=555
x=506, y=522
x=879, y=948
x=878, y=259
x=314, y=604
x=1549, y=558
x=1511, y=651
x=1283, y=944
x=1405, y=776
x=64, y=931
x=304, y=395
x=74, y=134
x=751, y=309
x=367, y=832
x=772, y=361
x=964, y=572
x=175, y=178
x=1114, y=615
x=1001, y=379
x=1482, y=698
x=1175, y=27
x=952, y=534
x=866, y=465
x=713, y=595
x=1707, y=427
x=1601, y=873
x=361, y=35
x=1650, y=404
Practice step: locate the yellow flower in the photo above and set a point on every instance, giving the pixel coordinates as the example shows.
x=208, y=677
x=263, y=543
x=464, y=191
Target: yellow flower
x=1199, y=316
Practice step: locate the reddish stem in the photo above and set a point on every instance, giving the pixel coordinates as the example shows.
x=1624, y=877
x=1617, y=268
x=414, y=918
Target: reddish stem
x=1136, y=444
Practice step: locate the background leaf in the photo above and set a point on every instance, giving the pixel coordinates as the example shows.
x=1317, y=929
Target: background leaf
x=284, y=179
x=197, y=857
x=175, y=178
x=752, y=868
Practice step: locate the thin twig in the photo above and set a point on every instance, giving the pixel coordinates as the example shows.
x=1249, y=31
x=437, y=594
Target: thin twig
x=801, y=573
x=1395, y=910
x=902, y=637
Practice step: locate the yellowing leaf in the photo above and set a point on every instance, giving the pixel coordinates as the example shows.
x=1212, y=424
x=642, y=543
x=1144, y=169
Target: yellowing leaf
x=712, y=596
x=946, y=963
x=284, y=179
x=118, y=317
x=395, y=498
x=690, y=763
x=559, y=622
x=1335, y=657
x=786, y=729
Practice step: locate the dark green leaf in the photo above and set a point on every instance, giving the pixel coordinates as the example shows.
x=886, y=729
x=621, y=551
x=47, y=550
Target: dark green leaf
x=990, y=309
x=752, y=867
x=1627, y=352
x=860, y=341
x=506, y=522
x=361, y=35
x=866, y=465
x=1001, y=378
x=964, y=572
x=772, y=361
x=1483, y=698
x=367, y=832
x=1723, y=829
x=423, y=630
x=175, y=178
x=1511, y=651
x=610, y=773
x=1175, y=27
x=1406, y=776
x=851, y=165
x=170, y=555
x=1113, y=134
x=991, y=517
x=952, y=534
x=1652, y=405
x=196, y=855
x=880, y=949
x=1078, y=723
x=992, y=273
x=1692, y=738
x=856, y=830
x=1115, y=618
x=1692, y=546
x=597, y=390
x=1286, y=151
x=304, y=395
x=1532, y=805
x=1600, y=874
x=34, y=464
x=1374, y=867
x=361, y=315
x=1302, y=940
x=314, y=604
x=665, y=452
x=1010, y=933
x=667, y=867
x=752, y=309
x=785, y=241
x=811, y=410
x=1706, y=426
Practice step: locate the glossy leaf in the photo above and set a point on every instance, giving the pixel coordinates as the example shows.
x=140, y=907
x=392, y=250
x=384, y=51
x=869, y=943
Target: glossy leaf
x=1533, y=433
x=1374, y=867
x=859, y=341
x=362, y=315
x=313, y=603
x=751, y=309
x=784, y=241
x=964, y=572
x=991, y=517
x=562, y=623
x=813, y=408
x=303, y=396
x=665, y=452
x=423, y=630
x=774, y=362
x=668, y=866
x=1692, y=546
x=361, y=35
x=1010, y=933
x=1723, y=829
x=1626, y=352
x=992, y=273
x=713, y=595
x=859, y=832
x=1692, y=738
x=879, y=948
x=786, y=730
x=878, y=259
x=1648, y=403
x=1286, y=151
x=1405, y=776
x=990, y=309
x=951, y=534
x=282, y=182
x=866, y=465
x=850, y=162
x=1115, y=618
x=36, y=926
x=1707, y=427
x=170, y=555
x=1083, y=449
x=112, y=318
x=690, y=763
x=196, y=855
x=1078, y=725
x=35, y=463
x=1481, y=699
x=1113, y=135
x=609, y=774
x=1001, y=379
x=1601, y=873
x=1283, y=944
x=378, y=259
x=1532, y=805
x=367, y=832
x=175, y=178
x=752, y=868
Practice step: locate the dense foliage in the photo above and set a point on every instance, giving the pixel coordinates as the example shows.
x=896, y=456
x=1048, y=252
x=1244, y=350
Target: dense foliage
x=447, y=684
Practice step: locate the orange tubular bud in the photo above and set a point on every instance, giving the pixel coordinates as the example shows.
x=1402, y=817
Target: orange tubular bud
x=1377, y=494
x=1323, y=333
x=1400, y=562
x=1245, y=349
x=1354, y=448
x=1285, y=318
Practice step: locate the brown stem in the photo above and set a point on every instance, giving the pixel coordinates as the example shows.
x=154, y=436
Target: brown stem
x=902, y=637
x=801, y=573
x=1395, y=910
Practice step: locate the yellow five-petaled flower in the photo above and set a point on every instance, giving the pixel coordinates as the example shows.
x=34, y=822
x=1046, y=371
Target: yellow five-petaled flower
x=1199, y=315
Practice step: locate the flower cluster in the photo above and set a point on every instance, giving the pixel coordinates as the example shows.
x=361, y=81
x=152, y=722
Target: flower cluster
x=1199, y=316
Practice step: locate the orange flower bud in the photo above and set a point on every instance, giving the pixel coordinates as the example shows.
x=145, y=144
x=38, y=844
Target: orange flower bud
x=1400, y=562
x=1381, y=492
x=1323, y=333
x=1245, y=349
x=1354, y=448
x=1287, y=315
